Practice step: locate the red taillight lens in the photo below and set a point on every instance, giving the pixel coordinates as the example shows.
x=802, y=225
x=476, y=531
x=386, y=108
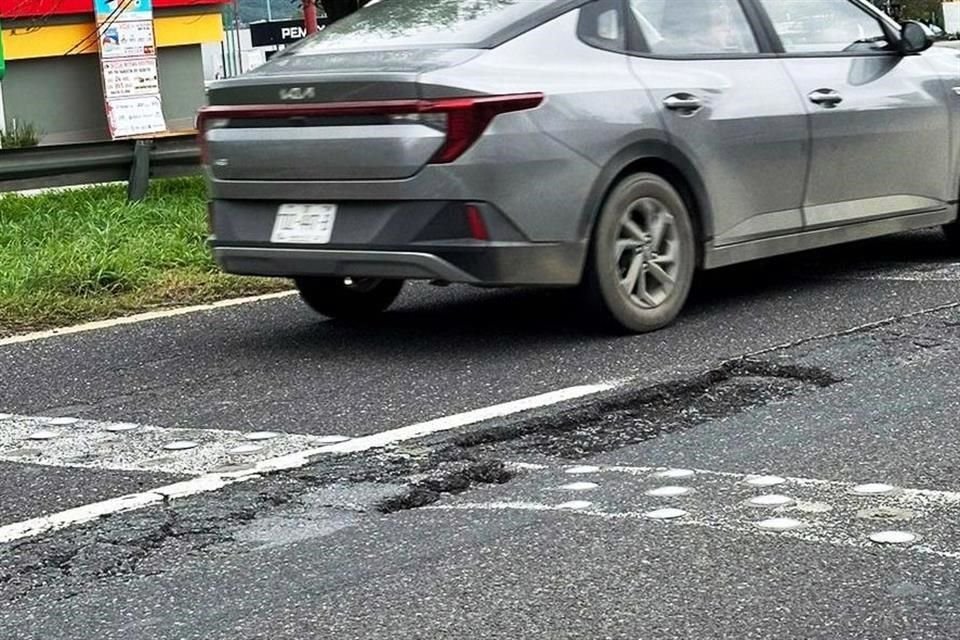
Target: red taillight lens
x=207, y=119
x=466, y=118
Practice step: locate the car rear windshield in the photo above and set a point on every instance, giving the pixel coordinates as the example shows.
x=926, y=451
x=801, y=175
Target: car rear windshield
x=418, y=23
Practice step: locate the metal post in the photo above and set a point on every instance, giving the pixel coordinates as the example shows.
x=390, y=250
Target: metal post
x=139, y=171
x=236, y=29
x=310, y=16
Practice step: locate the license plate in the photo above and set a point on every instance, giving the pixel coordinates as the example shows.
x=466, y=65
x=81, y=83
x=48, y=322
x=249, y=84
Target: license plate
x=304, y=223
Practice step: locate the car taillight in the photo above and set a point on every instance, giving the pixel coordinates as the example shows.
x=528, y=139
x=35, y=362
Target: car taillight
x=468, y=118
x=205, y=122
x=462, y=119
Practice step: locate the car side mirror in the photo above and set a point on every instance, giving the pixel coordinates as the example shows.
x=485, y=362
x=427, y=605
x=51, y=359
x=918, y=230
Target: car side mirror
x=914, y=38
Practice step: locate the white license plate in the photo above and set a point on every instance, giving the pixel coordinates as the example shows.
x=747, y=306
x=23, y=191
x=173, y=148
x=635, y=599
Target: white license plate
x=304, y=223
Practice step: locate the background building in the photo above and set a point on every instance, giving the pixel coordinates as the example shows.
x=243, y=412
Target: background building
x=53, y=77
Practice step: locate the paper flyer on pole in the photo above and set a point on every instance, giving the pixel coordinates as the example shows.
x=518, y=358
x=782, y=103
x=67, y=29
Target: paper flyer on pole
x=128, y=62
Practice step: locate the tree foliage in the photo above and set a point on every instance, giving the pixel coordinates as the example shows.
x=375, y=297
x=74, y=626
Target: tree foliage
x=925, y=10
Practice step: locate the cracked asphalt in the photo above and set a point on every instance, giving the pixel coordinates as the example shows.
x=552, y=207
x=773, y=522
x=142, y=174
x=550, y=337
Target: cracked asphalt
x=826, y=370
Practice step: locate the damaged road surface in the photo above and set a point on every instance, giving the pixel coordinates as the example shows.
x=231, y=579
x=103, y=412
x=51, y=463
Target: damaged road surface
x=809, y=491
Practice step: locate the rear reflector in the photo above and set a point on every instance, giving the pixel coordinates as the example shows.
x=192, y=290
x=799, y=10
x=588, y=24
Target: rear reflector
x=466, y=118
x=478, y=228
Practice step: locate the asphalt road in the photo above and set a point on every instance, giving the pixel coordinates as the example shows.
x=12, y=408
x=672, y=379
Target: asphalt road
x=450, y=538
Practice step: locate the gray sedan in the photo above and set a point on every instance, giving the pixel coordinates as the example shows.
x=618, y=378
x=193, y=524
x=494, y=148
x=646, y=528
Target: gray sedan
x=615, y=146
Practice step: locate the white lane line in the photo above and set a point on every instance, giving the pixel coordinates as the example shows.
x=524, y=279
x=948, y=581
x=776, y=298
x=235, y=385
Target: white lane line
x=140, y=317
x=215, y=481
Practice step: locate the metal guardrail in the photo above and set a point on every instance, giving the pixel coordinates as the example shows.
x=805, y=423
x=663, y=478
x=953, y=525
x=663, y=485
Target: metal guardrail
x=134, y=161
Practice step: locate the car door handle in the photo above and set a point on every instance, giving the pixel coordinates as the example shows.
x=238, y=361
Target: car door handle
x=825, y=97
x=683, y=102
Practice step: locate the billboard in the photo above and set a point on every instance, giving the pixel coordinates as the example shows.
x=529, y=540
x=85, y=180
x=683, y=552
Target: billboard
x=279, y=32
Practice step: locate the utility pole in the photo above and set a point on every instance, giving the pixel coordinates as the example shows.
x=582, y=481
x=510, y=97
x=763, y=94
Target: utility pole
x=310, y=16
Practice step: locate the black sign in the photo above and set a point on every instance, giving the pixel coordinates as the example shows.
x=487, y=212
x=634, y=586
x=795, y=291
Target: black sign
x=267, y=34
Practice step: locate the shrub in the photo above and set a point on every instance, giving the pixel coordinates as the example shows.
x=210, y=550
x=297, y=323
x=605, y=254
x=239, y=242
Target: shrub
x=20, y=135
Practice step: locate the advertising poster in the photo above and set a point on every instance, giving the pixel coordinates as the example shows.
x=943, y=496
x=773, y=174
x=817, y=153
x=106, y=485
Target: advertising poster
x=124, y=39
x=128, y=63
x=131, y=117
x=128, y=77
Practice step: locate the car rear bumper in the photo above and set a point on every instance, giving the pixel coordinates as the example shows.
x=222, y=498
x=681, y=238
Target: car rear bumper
x=491, y=264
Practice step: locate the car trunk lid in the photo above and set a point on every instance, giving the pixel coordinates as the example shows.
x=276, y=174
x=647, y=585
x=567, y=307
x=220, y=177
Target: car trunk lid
x=337, y=116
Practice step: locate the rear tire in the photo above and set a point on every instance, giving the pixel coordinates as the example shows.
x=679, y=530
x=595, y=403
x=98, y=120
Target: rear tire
x=642, y=256
x=952, y=231
x=348, y=298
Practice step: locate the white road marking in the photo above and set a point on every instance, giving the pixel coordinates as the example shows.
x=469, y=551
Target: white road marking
x=906, y=272
x=92, y=444
x=215, y=481
x=140, y=317
x=811, y=510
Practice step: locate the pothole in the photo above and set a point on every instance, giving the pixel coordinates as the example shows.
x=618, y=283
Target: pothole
x=449, y=479
x=631, y=417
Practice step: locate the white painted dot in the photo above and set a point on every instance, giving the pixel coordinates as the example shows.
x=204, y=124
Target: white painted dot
x=180, y=445
x=261, y=435
x=580, y=486
x=581, y=469
x=873, y=489
x=779, y=524
x=765, y=481
x=575, y=504
x=245, y=449
x=121, y=427
x=332, y=439
x=771, y=500
x=42, y=435
x=669, y=492
x=665, y=514
x=62, y=422
x=893, y=537
x=676, y=474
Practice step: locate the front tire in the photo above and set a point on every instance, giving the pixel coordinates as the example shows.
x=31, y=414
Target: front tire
x=348, y=298
x=642, y=256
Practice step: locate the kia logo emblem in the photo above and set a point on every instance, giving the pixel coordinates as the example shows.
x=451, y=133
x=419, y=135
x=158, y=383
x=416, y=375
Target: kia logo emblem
x=298, y=93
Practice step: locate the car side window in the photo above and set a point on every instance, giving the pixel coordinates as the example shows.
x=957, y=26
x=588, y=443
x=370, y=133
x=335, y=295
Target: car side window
x=693, y=27
x=601, y=24
x=825, y=26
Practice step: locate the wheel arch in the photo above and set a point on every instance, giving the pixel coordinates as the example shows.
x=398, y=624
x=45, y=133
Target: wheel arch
x=669, y=163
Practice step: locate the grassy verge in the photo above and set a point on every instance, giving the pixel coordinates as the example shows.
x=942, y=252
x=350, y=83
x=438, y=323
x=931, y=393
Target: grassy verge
x=85, y=255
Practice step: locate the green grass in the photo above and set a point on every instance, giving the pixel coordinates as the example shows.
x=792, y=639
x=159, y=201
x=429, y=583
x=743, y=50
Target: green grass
x=88, y=254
